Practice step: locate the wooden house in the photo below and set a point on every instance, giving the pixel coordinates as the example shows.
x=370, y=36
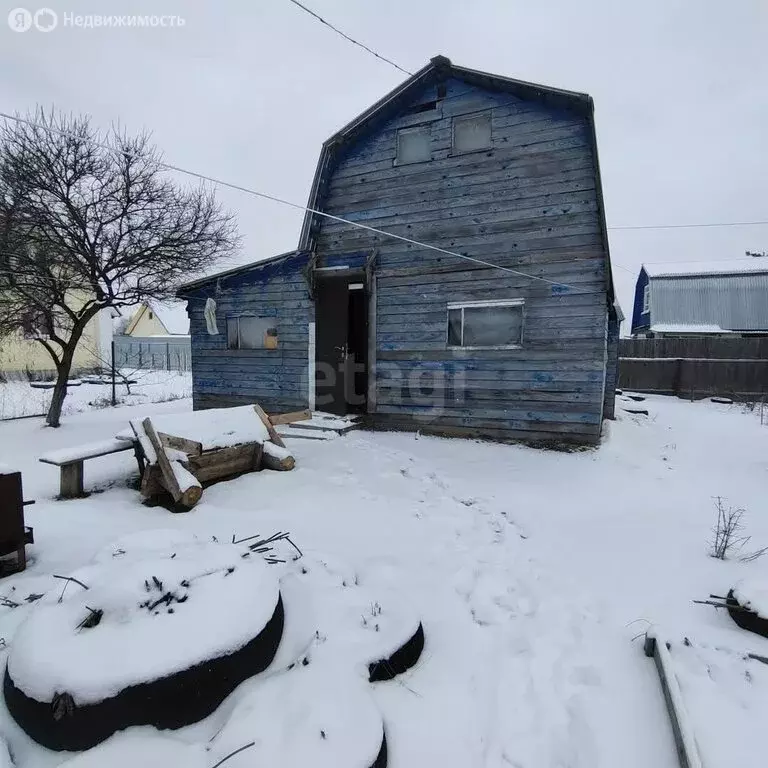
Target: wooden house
x=505, y=327
x=702, y=298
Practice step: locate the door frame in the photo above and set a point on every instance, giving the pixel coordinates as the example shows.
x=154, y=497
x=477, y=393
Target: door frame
x=349, y=275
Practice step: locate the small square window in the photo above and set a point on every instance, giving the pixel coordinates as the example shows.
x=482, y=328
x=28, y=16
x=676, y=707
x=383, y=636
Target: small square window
x=249, y=332
x=472, y=133
x=646, y=299
x=414, y=145
x=486, y=324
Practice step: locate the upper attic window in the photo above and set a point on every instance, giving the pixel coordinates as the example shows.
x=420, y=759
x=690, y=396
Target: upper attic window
x=414, y=145
x=472, y=132
x=646, y=298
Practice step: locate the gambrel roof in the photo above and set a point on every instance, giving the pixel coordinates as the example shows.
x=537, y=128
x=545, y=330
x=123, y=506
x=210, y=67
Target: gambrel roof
x=438, y=69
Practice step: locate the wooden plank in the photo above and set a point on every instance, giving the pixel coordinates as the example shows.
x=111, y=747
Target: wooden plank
x=86, y=451
x=169, y=479
x=190, y=447
x=685, y=740
x=289, y=418
x=273, y=436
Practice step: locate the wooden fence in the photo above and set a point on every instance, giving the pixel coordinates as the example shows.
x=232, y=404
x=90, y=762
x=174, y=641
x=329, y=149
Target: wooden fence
x=696, y=367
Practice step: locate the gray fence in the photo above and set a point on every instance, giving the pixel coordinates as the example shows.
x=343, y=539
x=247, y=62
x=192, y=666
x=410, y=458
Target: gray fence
x=155, y=353
x=696, y=367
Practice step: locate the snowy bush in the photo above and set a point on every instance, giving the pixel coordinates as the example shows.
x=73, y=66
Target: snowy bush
x=726, y=535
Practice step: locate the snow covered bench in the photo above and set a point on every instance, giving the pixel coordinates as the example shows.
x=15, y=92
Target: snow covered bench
x=71, y=461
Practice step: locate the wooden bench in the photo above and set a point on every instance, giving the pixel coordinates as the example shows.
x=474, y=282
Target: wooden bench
x=71, y=460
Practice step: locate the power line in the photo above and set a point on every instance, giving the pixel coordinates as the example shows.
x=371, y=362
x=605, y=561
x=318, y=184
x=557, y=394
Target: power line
x=273, y=198
x=314, y=211
x=694, y=226
x=350, y=39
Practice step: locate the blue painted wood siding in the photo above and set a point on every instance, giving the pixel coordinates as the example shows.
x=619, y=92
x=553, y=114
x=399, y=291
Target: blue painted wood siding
x=641, y=321
x=277, y=379
x=529, y=203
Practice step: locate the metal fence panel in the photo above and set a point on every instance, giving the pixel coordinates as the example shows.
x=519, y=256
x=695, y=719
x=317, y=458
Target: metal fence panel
x=153, y=353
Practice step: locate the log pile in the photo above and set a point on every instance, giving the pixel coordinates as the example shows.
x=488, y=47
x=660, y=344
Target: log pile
x=179, y=467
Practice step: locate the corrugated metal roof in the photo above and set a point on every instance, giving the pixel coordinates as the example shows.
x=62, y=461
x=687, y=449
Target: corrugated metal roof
x=735, y=302
x=723, y=267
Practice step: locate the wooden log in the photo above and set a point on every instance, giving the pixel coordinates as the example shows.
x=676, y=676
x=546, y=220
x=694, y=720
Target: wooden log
x=190, y=447
x=225, y=462
x=191, y=490
x=169, y=478
x=152, y=482
x=277, y=458
x=290, y=418
x=273, y=436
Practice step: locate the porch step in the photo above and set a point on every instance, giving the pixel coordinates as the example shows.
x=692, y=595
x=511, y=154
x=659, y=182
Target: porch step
x=322, y=426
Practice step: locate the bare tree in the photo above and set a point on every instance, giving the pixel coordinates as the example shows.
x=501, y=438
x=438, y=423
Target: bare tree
x=90, y=221
x=726, y=535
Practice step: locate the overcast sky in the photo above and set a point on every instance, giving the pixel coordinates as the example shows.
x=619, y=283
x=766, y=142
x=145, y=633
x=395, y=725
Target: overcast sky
x=247, y=90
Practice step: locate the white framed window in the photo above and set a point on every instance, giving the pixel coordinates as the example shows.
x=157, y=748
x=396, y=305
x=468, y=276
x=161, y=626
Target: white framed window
x=484, y=324
x=414, y=145
x=472, y=132
x=647, y=299
x=249, y=332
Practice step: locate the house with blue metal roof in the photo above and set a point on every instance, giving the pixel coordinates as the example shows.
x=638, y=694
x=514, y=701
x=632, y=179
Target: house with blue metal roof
x=452, y=273
x=715, y=298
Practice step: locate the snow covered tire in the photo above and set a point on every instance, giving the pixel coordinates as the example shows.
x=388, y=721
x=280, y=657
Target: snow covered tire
x=745, y=618
x=169, y=702
x=400, y=661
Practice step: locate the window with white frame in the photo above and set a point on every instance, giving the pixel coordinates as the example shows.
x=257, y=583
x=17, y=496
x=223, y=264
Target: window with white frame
x=472, y=132
x=248, y=332
x=486, y=323
x=646, y=298
x=414, y=145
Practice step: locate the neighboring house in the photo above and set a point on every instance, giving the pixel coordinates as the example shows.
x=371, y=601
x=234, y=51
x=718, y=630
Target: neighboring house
x=353, y=321
x=20, y=353
x=719, y=298
x=156, y=319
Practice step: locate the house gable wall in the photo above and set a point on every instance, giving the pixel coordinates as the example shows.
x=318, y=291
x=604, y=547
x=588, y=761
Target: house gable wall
x=530, y=204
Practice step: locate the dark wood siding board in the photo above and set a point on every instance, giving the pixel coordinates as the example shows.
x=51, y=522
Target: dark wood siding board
x=525, y=122
x=522, y=367
x=393, y=253
x=442, y=160
x=493, y=201
x=566, y=400
x=529, y=166
x=562, y=258
x=202, y=401
x=504, y=144
x=459, y=235
x=435, y=194
x=430, y=416
x=443, y=428
x=535, y=156
x=463, y=292
x=543, y=353
x=569, y=270
x=543, y=207
x=534, y=310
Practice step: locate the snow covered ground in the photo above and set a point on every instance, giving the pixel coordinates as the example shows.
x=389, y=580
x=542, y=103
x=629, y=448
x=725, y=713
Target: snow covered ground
x=532, y=572
x=18, y=399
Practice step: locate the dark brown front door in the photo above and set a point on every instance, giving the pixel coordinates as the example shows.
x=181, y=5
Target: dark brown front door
x=341, y=345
